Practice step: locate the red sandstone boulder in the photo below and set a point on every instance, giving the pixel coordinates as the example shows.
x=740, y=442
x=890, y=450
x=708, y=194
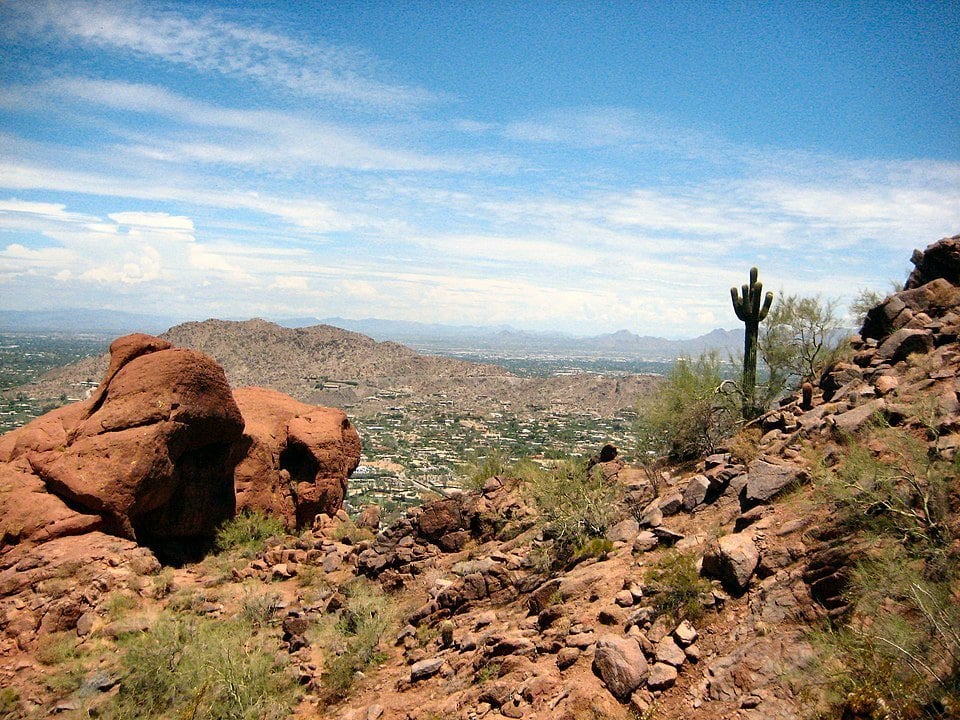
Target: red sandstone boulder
x=158, y=455
x=146, y=457
x=294, y=459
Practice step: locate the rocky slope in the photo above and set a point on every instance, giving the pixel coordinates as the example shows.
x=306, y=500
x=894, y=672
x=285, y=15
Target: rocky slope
x=699, y=604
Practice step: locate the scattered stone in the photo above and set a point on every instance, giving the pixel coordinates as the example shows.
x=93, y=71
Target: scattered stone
x=905, y=342
x=620, y=663
x=669, y=652
x=644, y=541
x=425, y=669
x=567, y=656
x=852, y=420
x=765, y=481
x=666, y=536
x=685, y=633
x=662, y=676
x=745, y=520
x=696, y=492
x=670, y=504
x=733, y=562
x=624, y=531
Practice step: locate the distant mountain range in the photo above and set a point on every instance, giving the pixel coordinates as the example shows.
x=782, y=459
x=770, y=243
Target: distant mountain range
x=505, y=340
x=100, y=322
x=497, y=340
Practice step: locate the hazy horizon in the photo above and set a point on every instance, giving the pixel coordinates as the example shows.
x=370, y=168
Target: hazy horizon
x=566, y=166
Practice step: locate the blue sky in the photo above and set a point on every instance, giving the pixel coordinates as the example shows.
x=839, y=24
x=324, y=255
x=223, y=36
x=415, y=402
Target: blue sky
x=580, y=166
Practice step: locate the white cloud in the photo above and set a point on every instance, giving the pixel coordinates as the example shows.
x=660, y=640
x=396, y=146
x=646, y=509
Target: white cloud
x=153, y=220
x=291, y=283
x=209, y=43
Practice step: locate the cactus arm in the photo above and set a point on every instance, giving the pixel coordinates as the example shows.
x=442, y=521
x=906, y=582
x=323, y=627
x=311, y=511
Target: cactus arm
x=737, y=304
x=767, y=302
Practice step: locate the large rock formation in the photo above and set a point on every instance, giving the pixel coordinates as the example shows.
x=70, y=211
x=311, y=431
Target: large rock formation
x=294, y=458
x=151, y=455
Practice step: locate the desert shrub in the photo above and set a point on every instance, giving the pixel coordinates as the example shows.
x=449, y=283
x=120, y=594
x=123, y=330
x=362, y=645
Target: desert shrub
x=163, y=583
x=204, y=669
x=687, y=416
x=56, y=648
x=247, y=533
x=575, y=505
x=897, y=654
x=476, y=471
x=899, y=657
x=487, y=672
x=9, y=703
x=677, y=586
x=903, y=492
x=259, y=608
x=351, y=640
x=595, y=547
x=346, y=531
x=119, y=603
x=744, y=447
x=800, y=336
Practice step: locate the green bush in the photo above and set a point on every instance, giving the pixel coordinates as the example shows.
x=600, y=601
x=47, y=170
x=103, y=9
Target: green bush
x=799, y=338
x=576, y=506
x=352, y=642
x=677, y=586
x=258, y=608
x=203, y=669
x=904, y=493
x=477, y=470
x=897, y=655
x=247, y=533
x=9, y=703
x=687, y=415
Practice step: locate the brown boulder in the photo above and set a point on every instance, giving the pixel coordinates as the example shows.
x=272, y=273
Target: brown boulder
x=939, y=260
x=146, y=457
x=151, y=456
x=294, y=459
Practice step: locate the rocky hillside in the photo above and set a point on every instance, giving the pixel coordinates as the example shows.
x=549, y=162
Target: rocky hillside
x=328, y=366
x=809, y=569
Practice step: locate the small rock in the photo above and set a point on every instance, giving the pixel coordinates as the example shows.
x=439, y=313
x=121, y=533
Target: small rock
x=624, y=531
x=624, y=598
x=696, y=492
x=765, y=481
x=425, y=669
x=567, y=657
x=620, y=663
x=662, y=676
x=644, y=541
x=670, y=504
x=685, y=633
x=85, y=623
x=733, y=562
x=669, y=652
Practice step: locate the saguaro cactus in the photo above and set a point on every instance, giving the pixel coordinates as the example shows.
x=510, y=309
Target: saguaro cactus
x=748, y=309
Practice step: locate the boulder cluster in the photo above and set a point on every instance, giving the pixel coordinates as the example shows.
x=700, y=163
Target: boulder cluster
x=158, y=456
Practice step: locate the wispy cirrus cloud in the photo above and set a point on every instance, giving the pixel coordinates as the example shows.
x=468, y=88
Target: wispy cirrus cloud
x=209, y=42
